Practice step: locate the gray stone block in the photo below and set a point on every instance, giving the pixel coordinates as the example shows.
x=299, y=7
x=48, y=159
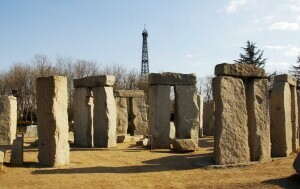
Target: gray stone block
x=239, y=70
x=129, y=93
x=286, y=78
x=95, y=81
x=169, y=78
x=16, y=158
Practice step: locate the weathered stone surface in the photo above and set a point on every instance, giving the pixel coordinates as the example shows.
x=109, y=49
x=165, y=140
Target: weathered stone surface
x=187, y=112
x=239, y=70
x=294, y=118
x=200, y=106
x=31, y=131
x=143, y=142
x=95, y=81
x=169, y=78
x=71, y=137
x=16, y=158
x=231, y=131
x=184, y=145
x=52, y=117
x=286, y=78
x=2, y=156
x=8, y=119
x=83, y=117
x=139, y=115
x=159, y=115
x=258, y=119
x=122, y=115
x=123, y=138
x=129, y=93
x=281, y=126
x=208, y=118
x=105, y=115
x=296, y=163
x=172, y=130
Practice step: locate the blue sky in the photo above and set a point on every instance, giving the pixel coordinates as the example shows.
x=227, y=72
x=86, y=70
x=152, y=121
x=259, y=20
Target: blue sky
x=189, y=36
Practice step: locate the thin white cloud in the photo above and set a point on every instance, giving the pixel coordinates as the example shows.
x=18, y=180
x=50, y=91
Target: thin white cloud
x=265, y=19
x=284, y=26
x=275, y=47
x=295, y=7
x=292, y=52
x=233, y=5
x=189, y=55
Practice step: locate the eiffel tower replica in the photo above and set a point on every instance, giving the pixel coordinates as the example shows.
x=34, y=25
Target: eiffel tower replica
x=145, y=61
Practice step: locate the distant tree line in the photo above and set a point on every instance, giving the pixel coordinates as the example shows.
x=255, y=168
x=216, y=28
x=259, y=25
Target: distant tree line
x=20, y=79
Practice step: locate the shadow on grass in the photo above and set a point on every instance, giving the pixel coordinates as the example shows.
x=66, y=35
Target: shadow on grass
x=292, y=181
x=173, y=162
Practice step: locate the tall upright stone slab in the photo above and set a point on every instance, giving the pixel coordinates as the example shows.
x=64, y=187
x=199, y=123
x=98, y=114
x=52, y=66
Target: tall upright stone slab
x=8, y=119
x=258, y=119
x=200, y=105
x=294, y=118
x=231, y=130
x=122, y=115
x=104, y=117
x=52, y=117
x=187, y=112
x=281, y=127
x=159, y=115
x=208, y=118
x=139, y=114
x=83, y=117
x=16, y=158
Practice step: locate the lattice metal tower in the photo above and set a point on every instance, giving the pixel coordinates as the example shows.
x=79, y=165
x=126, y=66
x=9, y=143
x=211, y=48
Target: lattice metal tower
x=145, y=61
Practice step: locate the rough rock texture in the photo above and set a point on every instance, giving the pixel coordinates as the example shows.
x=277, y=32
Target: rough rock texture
x=286, y=78
x=239, y=70
x=172, y=130
x=104, y=117
x=186, y=112
x=122, y=115
x=129, y=93
x=172, y=79
x=16, y=158
x=2, y=156
x=281, y=126
x=231, y=131
x=184, y=145
x=208, y=118
x=31, y=131
x=52, y=117
x=95, y=81
x=258, y=119
x=8, y=119
x=139, y=116
x=123, y=138
x=296, y=163
x=159, y=115
x=83, y=117
x=200, y=106
x=294, y=118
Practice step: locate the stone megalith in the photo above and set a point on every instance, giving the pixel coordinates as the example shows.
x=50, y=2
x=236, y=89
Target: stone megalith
x=105, y=115
x=8, y=119
x=83, y=117
x=139, y=114
x=208, y=118
x=16, y=157
x=52, y=117
x=200, y=106
x=231, y=130
x=122, y=115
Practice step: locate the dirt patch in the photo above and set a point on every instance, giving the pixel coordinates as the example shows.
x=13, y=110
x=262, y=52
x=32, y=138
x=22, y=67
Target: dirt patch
x=130, y=167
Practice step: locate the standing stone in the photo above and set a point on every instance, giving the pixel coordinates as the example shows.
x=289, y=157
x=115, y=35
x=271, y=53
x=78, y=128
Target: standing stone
x=281, y=128
x=159, y=115
x=187, y=112
x=52, y=117
x=208, y=118
x=231, y=131
x=83, y=117
x=200, y=105
x=105, y=116
x=8, y=119
x=294, y=118
x=16, y=158
x=258, y=119
x=122, y=115
x=139, y=116
x=172, y=130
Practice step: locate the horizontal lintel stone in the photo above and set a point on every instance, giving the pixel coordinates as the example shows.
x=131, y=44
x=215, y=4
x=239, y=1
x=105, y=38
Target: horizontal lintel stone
x=169, y=78
x=129, y=93
x=286, y=78
x=95, y=81
x=239, y=70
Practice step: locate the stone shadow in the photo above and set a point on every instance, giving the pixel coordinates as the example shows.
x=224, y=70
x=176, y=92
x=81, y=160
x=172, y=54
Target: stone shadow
x=292, y=181
x=174, y=162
